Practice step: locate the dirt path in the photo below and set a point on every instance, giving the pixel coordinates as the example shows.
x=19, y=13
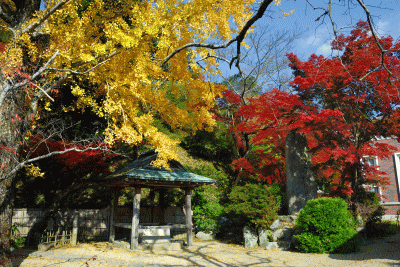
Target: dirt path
x=377, y=252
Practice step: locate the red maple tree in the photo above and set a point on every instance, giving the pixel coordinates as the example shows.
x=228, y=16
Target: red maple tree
x=341, y=104
x=360, y=99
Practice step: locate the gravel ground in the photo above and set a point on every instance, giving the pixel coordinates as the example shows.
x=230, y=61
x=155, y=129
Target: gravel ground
x=375, y=252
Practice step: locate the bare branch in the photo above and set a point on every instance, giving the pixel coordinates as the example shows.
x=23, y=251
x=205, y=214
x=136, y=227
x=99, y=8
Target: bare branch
x=328, y=12
x=31, y=27
x=9, y=87
x=249, y=23
x=89, y=70
x=238, y=39
x=211, y=56
x=47, y=88
x=211, y=46
x=383, y=51
x=34, y=76
x=44, y=92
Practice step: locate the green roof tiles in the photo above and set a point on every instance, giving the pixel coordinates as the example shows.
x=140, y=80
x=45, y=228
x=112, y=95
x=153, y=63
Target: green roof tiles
x=141, y=169
x=164, y=175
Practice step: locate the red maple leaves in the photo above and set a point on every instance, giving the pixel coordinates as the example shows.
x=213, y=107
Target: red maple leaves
x=341, y=104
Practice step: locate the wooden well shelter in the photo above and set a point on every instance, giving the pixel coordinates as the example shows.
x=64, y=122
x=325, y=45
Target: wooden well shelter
x=141, y=174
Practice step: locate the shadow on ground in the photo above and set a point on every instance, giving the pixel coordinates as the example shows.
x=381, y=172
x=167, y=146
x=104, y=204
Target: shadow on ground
x=376, y=252
x=385, y=248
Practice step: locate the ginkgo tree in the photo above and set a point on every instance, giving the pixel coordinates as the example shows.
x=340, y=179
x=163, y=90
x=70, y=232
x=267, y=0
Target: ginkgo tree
x=127, y=50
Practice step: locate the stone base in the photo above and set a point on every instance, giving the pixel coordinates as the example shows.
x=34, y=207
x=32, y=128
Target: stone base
x=154, y=234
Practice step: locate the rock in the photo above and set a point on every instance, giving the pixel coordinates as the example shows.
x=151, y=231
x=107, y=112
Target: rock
x=288, y=218
x=275, y=225
x=204, y=236
x=45, y=246
x=282, y=234
x=300, y=186
x=284, y=245
x=263, y=235
x=250, y=237
x=272, y=246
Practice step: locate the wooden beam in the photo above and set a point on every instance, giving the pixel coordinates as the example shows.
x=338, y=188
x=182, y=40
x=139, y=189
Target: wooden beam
x=188, y=207
x=135, y=219
x=114, y=205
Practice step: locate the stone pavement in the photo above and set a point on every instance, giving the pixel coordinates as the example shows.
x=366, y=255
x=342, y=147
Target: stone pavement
x=376, y=252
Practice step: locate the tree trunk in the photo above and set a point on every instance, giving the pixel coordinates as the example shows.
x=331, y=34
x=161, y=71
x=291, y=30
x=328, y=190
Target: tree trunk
x=12, y=129
x=11, y=132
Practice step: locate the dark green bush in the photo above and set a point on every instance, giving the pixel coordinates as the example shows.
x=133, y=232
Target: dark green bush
x=16, y=241
x=207, y=208
x=256, y=205
x=327, y=226
x=381, y=228
x=369, y=212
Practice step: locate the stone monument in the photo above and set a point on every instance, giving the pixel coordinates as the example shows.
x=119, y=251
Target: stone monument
x=300, y=185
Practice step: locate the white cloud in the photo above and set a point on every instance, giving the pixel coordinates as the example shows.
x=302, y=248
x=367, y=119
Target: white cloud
x=382, y=27
x=312, y=40
x=315, y=39
x=324, y=50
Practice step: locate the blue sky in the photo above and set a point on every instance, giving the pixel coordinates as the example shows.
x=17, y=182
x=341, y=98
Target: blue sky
x=386, y=17
x=316, y=35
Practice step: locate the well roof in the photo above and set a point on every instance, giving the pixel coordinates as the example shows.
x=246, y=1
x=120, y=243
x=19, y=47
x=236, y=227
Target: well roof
x=141, y=172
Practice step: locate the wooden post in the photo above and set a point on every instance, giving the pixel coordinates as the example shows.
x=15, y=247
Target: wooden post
x=135, y=219
x=63, y=238
x=74, y=236
x=161, y=204
x=188, y=207
x=114, y=205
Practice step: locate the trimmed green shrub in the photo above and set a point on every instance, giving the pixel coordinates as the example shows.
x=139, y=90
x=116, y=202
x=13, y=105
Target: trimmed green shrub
x=327, y=226
x=207, y=208
x=256, y=205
